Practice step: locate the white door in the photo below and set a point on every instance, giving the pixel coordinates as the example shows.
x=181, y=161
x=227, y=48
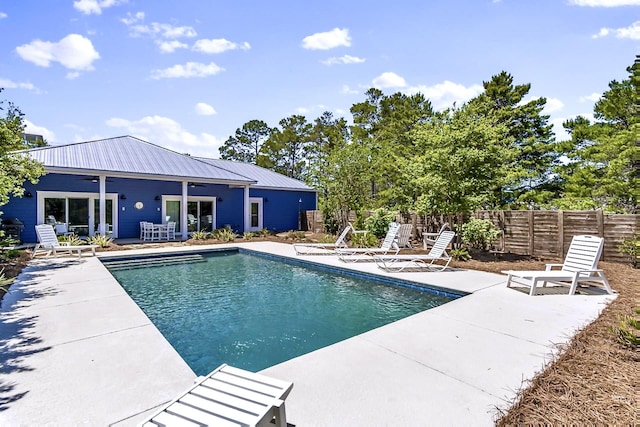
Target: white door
x=255, y=212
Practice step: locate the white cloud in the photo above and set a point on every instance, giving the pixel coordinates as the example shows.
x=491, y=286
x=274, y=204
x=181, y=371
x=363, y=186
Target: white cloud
x=218, y=45
x=327, y=40
x=205, y=109
x=190, y=69
x=89, y=7
x=72, y=75
x=3, y=15
x=74, y=52
x=553, y=105
x=631, y=32
x=605, y=3
x=443, y=95
x=594, y=97
x=302, y=110
x=344, y=59
x=170, y=134
x=39, y=130
x=171, y=46
x=9, y=84
x=389, y=80
x=166, y=31
x=347, y=90
x=132, y=19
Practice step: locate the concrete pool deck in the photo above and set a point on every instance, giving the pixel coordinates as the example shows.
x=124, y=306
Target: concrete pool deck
x=75, y=349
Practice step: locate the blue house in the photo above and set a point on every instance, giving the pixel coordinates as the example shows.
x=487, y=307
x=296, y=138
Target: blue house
x=113, y=184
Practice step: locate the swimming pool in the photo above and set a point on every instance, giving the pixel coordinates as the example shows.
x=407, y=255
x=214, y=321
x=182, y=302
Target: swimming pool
x=254, y=312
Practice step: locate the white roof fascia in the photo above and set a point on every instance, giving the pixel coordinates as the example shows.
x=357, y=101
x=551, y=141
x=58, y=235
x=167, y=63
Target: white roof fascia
x=112, y=174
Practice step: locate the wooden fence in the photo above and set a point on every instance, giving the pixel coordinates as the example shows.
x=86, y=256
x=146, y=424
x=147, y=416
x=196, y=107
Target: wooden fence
x=544, y=234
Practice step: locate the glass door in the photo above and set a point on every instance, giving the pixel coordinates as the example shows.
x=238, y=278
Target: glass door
x=172, y=212
x=108, y=215
x=255, y=214
x=200, y=215
x=79, y=216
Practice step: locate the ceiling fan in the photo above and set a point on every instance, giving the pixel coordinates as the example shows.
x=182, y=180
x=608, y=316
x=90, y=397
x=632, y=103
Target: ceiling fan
x=94, y=179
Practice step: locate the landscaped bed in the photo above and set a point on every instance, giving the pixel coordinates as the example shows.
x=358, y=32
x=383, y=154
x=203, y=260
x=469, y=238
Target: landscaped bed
x=595, y=380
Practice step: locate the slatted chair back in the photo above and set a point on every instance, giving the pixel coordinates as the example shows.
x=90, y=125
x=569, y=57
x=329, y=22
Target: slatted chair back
x=390, y=238
x=583, y=254
x=47, y=236
x=440, y=246
x=341, y=240
x=404, y=235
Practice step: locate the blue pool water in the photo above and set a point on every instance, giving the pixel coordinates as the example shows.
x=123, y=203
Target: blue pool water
x=253, y=312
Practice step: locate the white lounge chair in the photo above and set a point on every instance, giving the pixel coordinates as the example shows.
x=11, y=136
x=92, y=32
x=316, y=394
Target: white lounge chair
x=227, y=396
x=428, y=239
x=323, y=248
x=396, y=263
x=48, y=242
x=357, y=254
x=579, y=267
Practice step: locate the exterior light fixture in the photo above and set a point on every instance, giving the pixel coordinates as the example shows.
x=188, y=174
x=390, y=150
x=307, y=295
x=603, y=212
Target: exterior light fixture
x=28, y=194
x=123, y=197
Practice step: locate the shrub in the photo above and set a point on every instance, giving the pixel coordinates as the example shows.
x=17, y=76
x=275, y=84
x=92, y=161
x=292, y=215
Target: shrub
x=199, y=235
x=102, y=241
x=4, y=282
x=225, y=234
x=378, y=223
x=460, y=254
x=479, y=233
x=248, y=235
x=327, y=239
x=364, y=240
x=72, y=239
x=264, y=233
x=296, y=235
x=631, y=247
x=628, y=331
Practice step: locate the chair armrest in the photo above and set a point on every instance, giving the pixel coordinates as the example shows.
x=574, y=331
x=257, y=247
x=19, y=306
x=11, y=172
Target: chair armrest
x=550, y=266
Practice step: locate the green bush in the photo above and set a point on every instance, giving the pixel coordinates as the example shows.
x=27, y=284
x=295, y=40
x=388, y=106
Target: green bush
x=631, y=247
x=72, y=239
x=628, y=331
x=248, y=235
x=225, y=234
x=479, y=234
x=378, y=223
x=364, y=240
x=102, y=241
x=199, y=235
x=460, y=254
x=4, y=282
x=296, y=235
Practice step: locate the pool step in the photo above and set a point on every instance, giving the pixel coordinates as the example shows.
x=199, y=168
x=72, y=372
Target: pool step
x=128, y=264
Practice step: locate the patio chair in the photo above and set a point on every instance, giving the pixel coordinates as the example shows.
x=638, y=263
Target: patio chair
x=430, y=238
x=396, y=263
x=62, y=229
x=389, y=244
x=579, y=267
x=227, y=396
x=404, y=236
x=323, y=248
x=48, y=241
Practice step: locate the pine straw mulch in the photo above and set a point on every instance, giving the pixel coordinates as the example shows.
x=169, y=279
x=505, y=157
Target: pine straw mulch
x=594, y=380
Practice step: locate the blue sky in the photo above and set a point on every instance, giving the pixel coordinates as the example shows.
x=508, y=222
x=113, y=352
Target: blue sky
x=186, y=74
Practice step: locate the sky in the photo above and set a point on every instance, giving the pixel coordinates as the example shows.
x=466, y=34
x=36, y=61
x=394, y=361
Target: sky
x=186, y=74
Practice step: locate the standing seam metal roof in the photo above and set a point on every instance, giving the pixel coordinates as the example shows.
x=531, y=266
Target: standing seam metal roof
x=264, y=177
x=134, y=156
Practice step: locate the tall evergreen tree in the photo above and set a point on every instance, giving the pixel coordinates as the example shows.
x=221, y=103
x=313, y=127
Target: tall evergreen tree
x=245, y=145
x=286, y=149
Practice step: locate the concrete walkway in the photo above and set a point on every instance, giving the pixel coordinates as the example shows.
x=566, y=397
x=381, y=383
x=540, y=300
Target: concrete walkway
x=76, y=350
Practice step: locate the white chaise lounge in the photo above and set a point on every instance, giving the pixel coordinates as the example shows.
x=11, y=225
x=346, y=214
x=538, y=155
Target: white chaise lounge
x=48, y=242
x=228, y=396
x=579, y=267
x=388, y=245
x=396, y=263
x=323, y=248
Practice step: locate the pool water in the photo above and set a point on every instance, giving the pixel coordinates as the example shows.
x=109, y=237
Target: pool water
x=253, y=312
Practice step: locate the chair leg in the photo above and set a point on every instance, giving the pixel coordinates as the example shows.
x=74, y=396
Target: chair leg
x=534, y=282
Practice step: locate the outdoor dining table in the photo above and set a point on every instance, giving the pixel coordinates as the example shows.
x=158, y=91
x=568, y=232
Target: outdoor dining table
x=158, y=232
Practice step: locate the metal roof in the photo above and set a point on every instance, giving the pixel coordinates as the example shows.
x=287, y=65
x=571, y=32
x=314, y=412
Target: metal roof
x=129, y=156
x=265, y=178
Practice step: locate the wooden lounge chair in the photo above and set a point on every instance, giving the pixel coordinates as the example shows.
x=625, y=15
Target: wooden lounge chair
x=404, y=236
x=579, y=267
x=428, y=239
x=323, y=248
x=227, y=396
x=357, y=254
x=48, y=242
x=396, y=263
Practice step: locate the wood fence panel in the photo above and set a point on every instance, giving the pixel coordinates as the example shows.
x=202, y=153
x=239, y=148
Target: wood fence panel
x=545, y=234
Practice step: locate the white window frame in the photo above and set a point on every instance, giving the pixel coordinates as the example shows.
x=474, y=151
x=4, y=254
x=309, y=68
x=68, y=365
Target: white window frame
x=260, y=203
x=214, y=223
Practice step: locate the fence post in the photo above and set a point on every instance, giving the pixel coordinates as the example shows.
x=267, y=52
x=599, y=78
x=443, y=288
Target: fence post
x=530, y=220
x=561, y=234
x=600, y=222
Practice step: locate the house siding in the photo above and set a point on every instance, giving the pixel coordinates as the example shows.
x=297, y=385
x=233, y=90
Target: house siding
x=281, y=208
